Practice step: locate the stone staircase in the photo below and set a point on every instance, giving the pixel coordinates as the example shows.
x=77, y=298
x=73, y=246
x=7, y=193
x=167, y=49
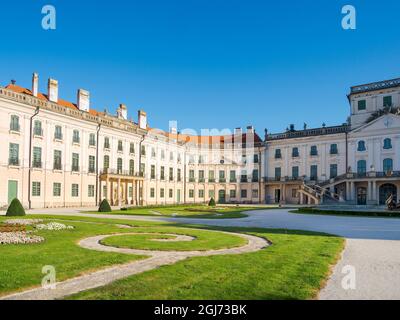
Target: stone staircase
x=319, y=194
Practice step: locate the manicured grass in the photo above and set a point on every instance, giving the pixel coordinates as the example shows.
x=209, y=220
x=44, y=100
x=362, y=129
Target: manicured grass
x=190, y=211
x=382, y=214
x=294, y=267
x=204, y=240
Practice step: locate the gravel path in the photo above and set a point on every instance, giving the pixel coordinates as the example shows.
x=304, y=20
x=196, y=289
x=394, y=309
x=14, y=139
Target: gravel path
x=106, y=276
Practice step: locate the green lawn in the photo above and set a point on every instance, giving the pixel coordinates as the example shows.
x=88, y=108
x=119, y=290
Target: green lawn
x=293, y=267
x=204, y=240
x=191, y=211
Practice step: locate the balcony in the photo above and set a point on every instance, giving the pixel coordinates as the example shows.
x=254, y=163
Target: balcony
x=118, y=172
x=192, y=180
x=233, y=180
x=13, y=162
x=222, y=180
x=212, y=180
x=243, y=179
x=37, y=164
x=202, y=180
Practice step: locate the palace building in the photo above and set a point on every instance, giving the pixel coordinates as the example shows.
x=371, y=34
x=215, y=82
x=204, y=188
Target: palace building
x=57, y=153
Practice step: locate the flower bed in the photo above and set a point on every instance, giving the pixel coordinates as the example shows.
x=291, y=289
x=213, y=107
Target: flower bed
x=19, y=238
x=53, y=226
x=12, y=228
x=23, y=222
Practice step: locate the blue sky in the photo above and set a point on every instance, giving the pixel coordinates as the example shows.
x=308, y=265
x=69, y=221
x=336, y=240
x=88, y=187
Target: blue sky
x=207, y=64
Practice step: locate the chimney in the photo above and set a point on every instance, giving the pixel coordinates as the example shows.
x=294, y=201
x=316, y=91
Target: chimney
x=142, y=119
x=238, y=131
x=83, y=100
x=250, y=129
x=52, y=87
x=122, y=112
x=35, y=84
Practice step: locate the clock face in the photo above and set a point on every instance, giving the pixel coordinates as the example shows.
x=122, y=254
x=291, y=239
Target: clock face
x=222, y=162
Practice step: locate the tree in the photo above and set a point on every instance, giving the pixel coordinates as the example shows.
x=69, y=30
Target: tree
x=104, y=206
x=211, y=203
x=15, y=208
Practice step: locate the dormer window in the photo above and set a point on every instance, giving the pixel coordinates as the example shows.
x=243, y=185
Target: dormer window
x=362, y=105
x=387, y=143
x=361, y=146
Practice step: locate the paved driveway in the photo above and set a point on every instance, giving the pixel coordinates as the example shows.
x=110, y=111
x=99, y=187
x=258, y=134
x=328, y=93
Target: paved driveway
x=372, y=247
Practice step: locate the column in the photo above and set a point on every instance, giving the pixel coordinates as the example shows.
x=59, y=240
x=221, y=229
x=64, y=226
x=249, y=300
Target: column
x=374, y=193
x=112, y=193
x=369, y=191
x=352, y=191
x=107, y=195
x=119, y=191
x=347, y=191
x=126, y=192
x=301, y=197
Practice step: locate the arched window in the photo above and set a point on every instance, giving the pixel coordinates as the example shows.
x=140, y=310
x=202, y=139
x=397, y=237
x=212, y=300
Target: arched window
x=361, y=146
x=361, y=167
x=387, y=143
x=387, y=165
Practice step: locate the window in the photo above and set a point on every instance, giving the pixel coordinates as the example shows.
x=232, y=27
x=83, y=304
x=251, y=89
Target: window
x=57, y=165
x=361, y=167
x=191, y=193
x=171, y=174
x=58, y=133
x=106, y=163
x=37, y=128
x=295, y=152
x=388, y=165
x=14, y=123
x=152, y=171
x=119, y=165
x=106, y=143
x=13, y=154
x=90, y=190
x=75, y=136
x=75, y=162
x=201, y=176
x=211, y=193
x=152, y=193
x=120, y=148
x=334, y=149
x=132, y=148
x=191, y=175
x=35, y=189
x=179, y=158
x=387, y=143
x=255, y=175
x=162, y=154
x=201, y=193
x=130, y=191
x=254, y=193
x=243, y=193
x=333, y=171
x=143, y=150
x=313, y=151
x=362, y=105
x=56, y=189
x=294, y=193
x=162, y=173
x=361, y=146
x=75, y=190
x=171, y=193
x=255, y=158
x=232, y=176
x=142, y=168
x=232, y=194
x=92, y=140
x=222, y=176
x=211, y=176
x=278, y=173
x=179, y=176
x=201, y=159
x=131, y=167
x=191, y=159
x=278, y=154
x=387, y=101
x=171, y=156
x=295, y=172
x=243, y=176
x=314, y=172
x=37, y=157
x=92, y=164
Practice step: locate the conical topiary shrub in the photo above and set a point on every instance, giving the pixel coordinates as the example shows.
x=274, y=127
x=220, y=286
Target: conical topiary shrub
x=15, y=209
x=104, y=206
x=211, y=203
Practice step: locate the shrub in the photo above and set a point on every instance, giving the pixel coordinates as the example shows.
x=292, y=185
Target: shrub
x=15, y=209
x=211, y=203
x=104, y=206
